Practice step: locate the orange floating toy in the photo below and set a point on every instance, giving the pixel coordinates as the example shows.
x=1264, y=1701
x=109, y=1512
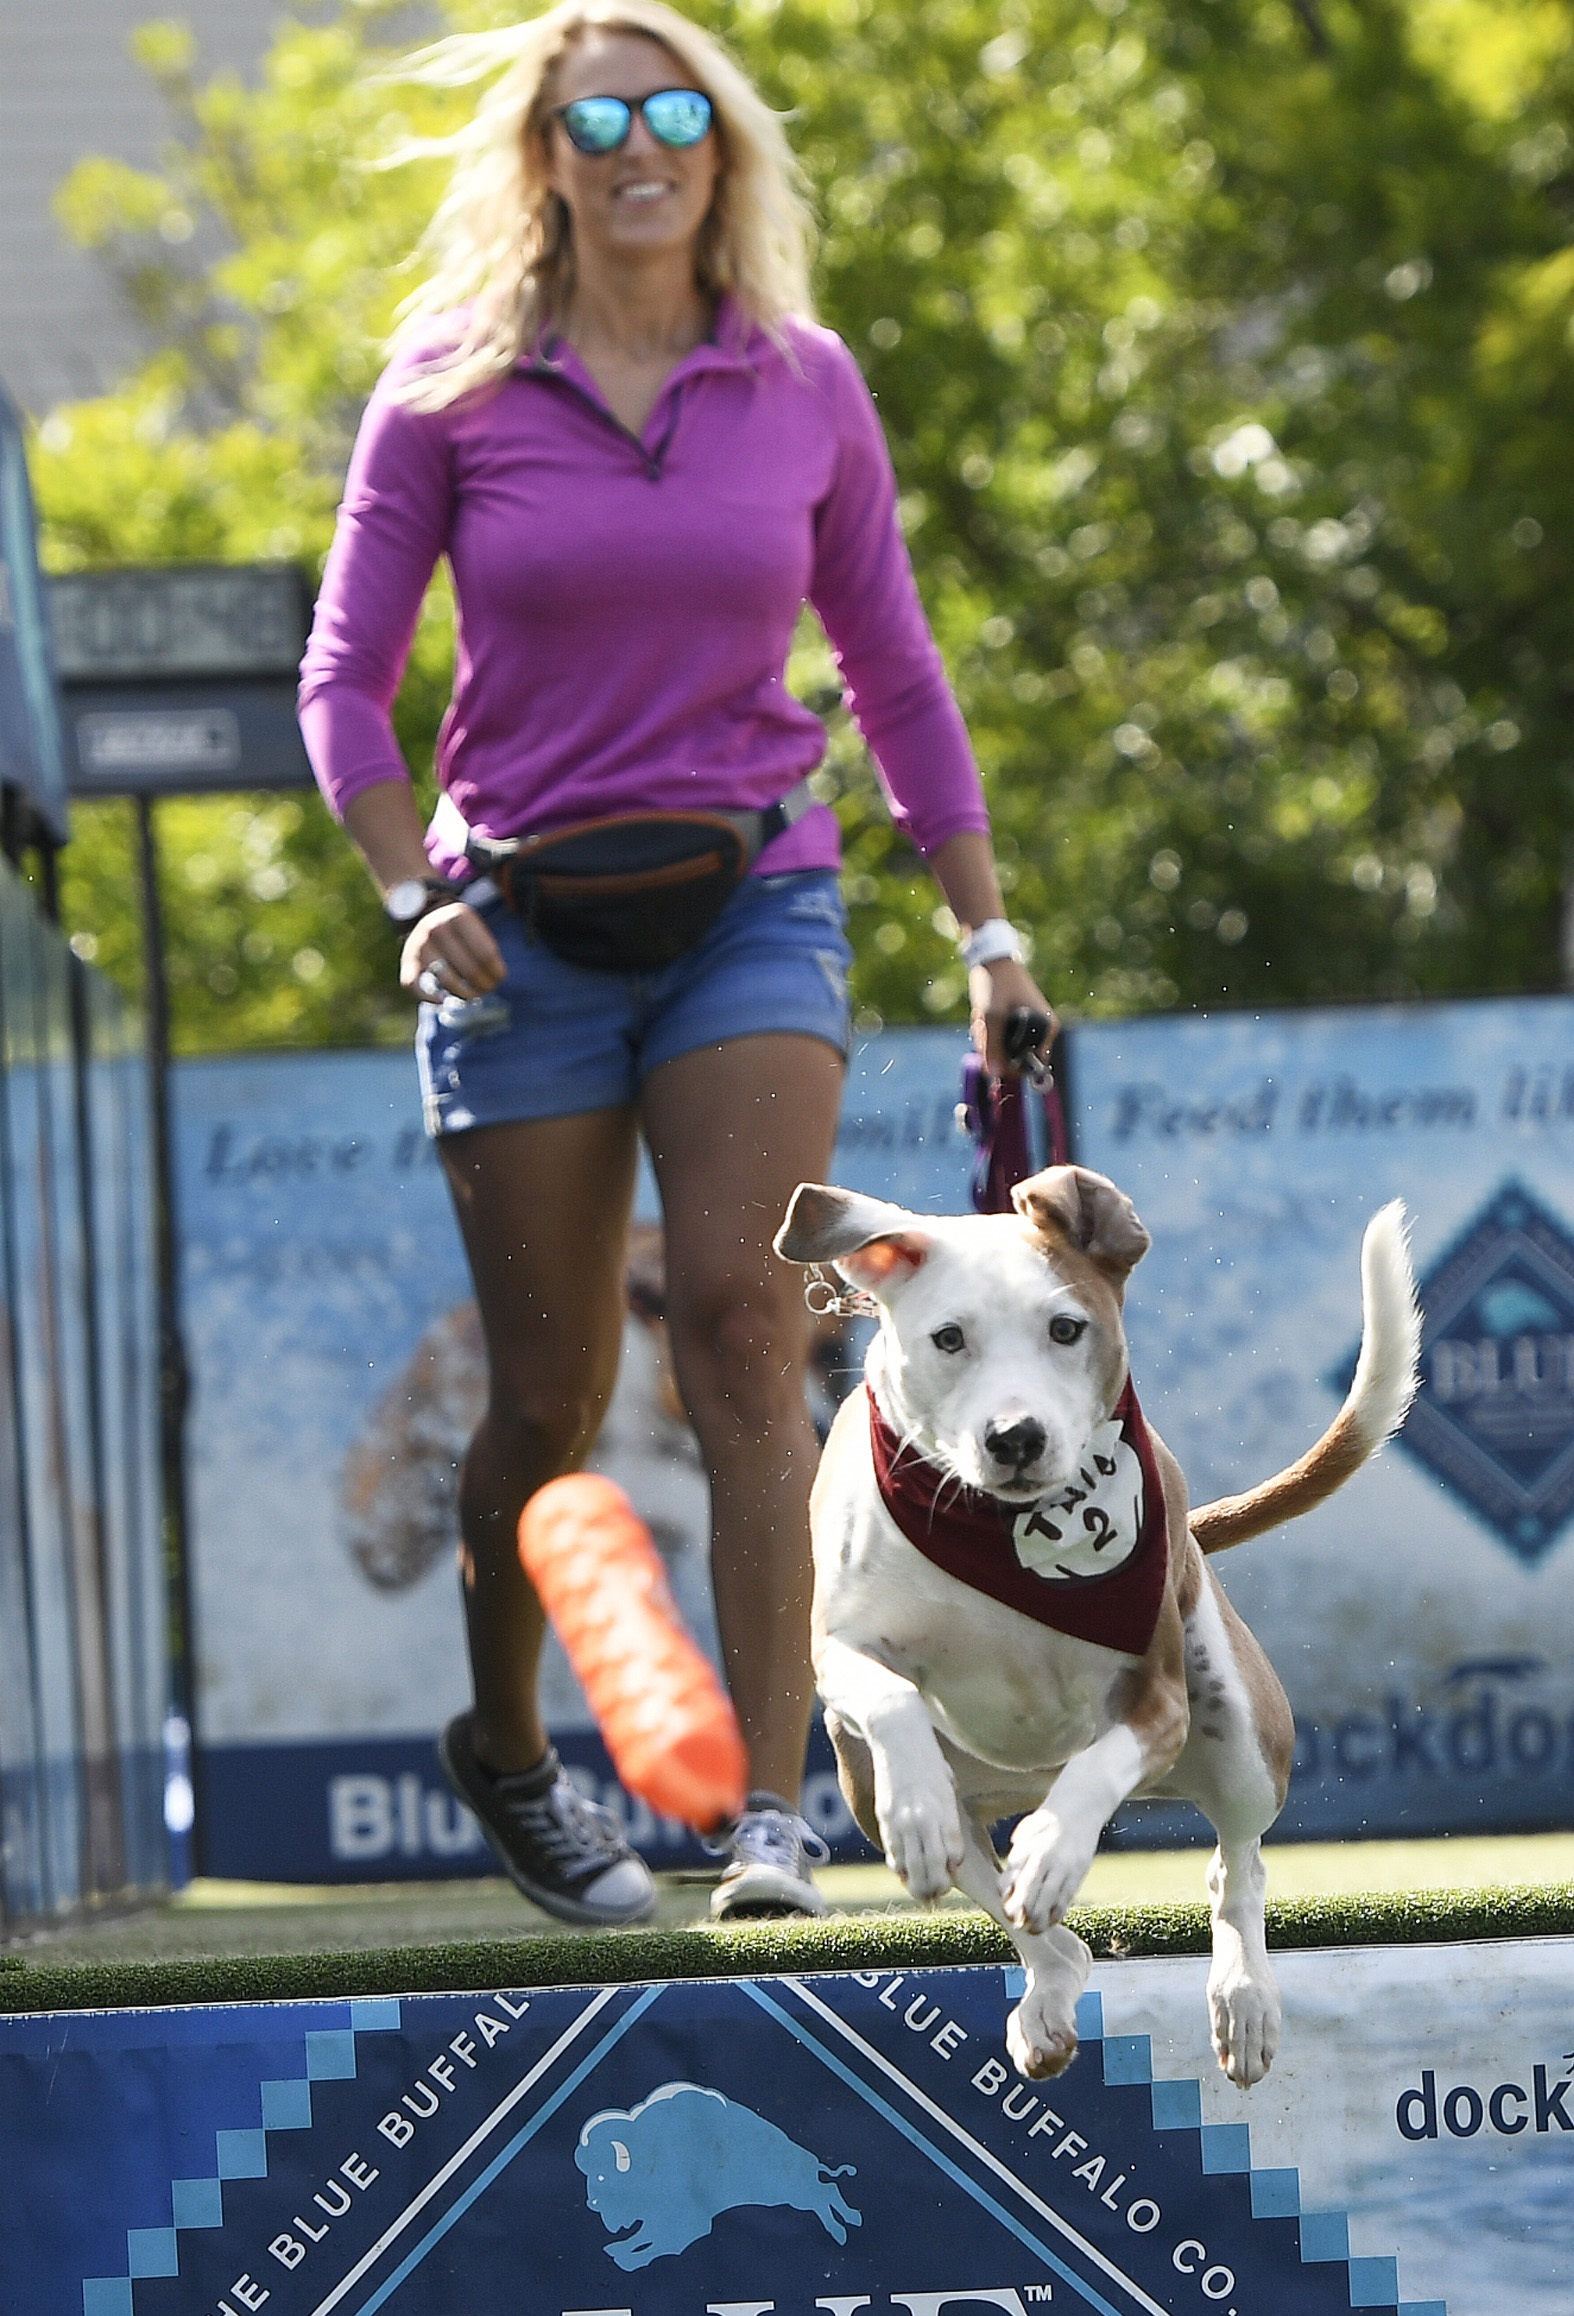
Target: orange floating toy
x=668, y=1723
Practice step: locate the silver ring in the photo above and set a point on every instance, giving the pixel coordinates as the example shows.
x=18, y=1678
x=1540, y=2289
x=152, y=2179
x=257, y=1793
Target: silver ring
x=432, y=985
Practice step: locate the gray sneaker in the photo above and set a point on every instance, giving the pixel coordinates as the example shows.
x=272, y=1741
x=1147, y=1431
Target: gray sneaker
x=772, y=1850
x=564, y=1852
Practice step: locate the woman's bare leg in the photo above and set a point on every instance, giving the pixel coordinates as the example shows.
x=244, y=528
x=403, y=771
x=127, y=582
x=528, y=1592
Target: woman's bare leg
x=544, y=1210
x=733, y=1129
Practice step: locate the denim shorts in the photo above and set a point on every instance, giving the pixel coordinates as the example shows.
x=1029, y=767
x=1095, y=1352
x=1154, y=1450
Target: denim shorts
x=554, y=1039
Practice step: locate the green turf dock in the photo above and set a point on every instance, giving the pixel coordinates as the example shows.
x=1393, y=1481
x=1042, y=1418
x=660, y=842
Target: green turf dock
x=228, y=1942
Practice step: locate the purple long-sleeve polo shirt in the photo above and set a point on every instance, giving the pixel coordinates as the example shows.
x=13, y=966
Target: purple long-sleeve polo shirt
x=626, y=605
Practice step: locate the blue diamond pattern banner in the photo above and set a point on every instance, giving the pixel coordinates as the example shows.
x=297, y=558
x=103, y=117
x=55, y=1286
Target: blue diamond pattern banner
x=843, y=2143
x=1494, y=1417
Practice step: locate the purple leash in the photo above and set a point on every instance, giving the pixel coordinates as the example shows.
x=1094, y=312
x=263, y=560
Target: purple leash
x=1018, y=1124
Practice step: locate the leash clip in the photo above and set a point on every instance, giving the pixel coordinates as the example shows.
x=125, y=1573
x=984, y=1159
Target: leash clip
x=829, y=1299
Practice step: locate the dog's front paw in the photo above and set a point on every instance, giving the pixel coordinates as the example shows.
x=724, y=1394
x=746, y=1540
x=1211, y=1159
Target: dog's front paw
x=1246, y=2017
x=922, y=1835
x=1044, y=1870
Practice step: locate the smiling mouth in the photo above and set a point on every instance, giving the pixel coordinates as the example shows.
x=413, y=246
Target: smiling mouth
x=1018, y=1491
x=642, y=189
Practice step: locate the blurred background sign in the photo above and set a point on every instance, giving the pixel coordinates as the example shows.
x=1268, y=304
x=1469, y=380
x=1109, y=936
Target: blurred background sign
x=188, y=620
x=1421, y=1620
x=181, y=678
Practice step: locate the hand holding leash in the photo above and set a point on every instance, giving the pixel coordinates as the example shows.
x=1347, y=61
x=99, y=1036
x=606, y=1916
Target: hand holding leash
x=1027, y=1037
x=998, y=993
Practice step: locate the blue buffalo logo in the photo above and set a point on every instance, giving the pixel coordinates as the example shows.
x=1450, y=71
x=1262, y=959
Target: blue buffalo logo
x=668, y=2167
x=1494, y=1417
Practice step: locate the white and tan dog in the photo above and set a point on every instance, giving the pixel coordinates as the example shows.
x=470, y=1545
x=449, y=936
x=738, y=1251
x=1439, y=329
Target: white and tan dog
x=1012, y=1610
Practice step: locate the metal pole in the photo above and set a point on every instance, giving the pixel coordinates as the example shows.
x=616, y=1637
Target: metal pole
x=105, y=1845
x=174, y=1377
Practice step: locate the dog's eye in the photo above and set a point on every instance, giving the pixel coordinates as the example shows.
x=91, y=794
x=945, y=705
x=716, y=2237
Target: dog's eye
x=1063, y=1329
x=948, y=1338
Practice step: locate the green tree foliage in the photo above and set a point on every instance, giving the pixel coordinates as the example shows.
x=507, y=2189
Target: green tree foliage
x=1225, y=351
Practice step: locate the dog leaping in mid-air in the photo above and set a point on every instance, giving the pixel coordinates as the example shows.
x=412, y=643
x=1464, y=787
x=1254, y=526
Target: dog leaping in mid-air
x=1012, y=1607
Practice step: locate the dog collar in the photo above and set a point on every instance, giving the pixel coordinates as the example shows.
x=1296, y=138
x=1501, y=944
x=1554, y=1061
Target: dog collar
x=1090, y=1560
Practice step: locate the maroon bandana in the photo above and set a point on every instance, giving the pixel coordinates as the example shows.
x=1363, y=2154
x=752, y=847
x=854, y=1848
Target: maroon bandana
x=1090, y=1561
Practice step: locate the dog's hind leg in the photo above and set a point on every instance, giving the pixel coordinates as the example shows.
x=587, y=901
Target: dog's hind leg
x=1243, y=1994
x=1041, y=2033
x=1235, y=1767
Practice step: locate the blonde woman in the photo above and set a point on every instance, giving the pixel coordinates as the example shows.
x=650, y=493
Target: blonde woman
x=612, y=414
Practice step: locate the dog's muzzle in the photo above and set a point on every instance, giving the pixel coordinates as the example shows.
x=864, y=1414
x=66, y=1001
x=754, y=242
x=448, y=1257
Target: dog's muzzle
x=1015, y=1447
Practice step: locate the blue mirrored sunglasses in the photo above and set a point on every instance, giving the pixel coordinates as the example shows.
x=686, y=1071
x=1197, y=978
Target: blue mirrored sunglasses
x=600, y=124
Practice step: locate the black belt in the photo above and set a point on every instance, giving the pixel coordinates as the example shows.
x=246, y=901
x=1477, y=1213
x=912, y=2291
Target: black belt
x=488, y=854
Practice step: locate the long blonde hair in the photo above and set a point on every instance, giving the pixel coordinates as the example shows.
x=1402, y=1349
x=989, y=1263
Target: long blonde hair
x=500, y=243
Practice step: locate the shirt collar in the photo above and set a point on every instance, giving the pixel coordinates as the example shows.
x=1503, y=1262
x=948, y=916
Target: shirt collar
x=735, y=343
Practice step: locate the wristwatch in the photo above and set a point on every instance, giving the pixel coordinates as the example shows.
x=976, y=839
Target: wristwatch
x=990, y=942
x=412, y=898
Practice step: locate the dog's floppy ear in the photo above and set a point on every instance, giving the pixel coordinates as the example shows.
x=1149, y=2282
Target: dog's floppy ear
x=869, y=1241
x=1071, y=1202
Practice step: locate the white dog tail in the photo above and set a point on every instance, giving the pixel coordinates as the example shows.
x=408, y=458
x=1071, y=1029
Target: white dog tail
x=1384, y=1385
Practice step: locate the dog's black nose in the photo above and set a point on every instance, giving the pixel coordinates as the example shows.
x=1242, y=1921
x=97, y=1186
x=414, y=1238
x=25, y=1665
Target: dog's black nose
x=1018, y=1443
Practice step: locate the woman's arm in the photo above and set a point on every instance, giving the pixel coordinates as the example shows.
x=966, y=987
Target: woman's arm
x=864, y=591
x=964, y=869
x=392, y=527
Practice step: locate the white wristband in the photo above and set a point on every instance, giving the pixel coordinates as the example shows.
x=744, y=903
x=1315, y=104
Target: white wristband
x=989, y=942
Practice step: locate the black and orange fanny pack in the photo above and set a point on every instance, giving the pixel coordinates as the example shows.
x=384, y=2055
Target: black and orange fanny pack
x=631, y=894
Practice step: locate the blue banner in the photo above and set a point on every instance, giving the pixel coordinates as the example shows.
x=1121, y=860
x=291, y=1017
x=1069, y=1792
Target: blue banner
x=378, y=1809
x=843, y=2143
